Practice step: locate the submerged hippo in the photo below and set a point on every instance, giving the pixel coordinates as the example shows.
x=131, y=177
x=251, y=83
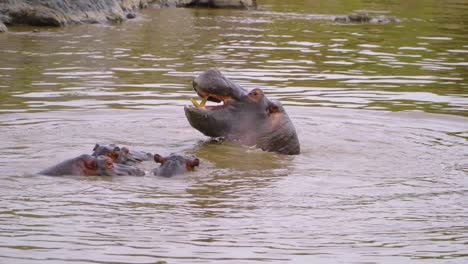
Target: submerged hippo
x=174, y=164
x=121, y=155
x=83, y=165
x=127, y=170
x=248, y=118
x=111, y=151
x=87, y=165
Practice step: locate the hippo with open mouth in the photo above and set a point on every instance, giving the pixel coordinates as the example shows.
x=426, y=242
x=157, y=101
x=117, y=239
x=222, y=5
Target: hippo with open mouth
x=248, y=118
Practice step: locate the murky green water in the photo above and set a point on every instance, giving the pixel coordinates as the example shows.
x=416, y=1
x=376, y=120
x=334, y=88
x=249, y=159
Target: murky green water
x=381, y=112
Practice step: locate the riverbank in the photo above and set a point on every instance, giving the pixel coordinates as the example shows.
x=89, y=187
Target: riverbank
x=59, y=13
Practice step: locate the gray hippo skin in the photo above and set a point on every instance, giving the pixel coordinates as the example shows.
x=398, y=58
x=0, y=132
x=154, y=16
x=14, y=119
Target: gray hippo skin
x=111, y=151
x=174, y=164
x=83, y=165
x=131, y=156
x=247, y=118
x=121, y=155
x=127, y=170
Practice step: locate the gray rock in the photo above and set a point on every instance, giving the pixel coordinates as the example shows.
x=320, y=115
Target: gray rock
x=241, y=4
x=3, y=28
x=58, y=13
x=170, y=3
x=365, y=18
x=65, y=12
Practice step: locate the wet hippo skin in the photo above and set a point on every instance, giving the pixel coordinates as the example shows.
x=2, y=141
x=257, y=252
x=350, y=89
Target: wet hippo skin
x=175, y=164
x=84, y=165
x=121, y=155
x=247, y=118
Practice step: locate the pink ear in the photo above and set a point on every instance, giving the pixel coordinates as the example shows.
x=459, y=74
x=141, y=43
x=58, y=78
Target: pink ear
x=191, y=164
x=159, y=159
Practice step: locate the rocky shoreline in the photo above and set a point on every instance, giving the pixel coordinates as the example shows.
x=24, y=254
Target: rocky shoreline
x=59, y=13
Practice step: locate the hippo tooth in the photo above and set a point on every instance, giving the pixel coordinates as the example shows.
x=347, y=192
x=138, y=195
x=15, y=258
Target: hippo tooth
x=194, y=102
x=198, y=105
x=203, y=102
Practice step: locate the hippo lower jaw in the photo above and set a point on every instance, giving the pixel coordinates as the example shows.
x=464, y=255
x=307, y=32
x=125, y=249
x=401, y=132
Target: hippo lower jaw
x=275, y=135
x=204, y=120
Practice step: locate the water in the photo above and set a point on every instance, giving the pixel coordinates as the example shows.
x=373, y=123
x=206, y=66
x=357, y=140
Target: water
x=381, y=113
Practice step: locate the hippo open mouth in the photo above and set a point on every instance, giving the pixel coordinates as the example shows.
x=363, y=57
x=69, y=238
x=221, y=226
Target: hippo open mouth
x=248, y=118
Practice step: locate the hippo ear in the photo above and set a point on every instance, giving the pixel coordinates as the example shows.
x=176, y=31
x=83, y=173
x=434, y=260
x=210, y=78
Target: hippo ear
x=256, y=95
x=191, y=164
x=159, y=159
x=96, y=147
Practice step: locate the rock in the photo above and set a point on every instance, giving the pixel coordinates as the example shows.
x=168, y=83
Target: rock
x=36, y=16
x=365, y=18
x=3, y=28
x=241, y=4
x=384, y=20
x=64, y=12
x=170, y=3
x=58, y=13
x=359, y=18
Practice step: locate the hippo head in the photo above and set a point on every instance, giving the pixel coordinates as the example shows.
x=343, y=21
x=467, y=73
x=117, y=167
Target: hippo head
x=175, y=164
x=105, y=166
x=248, y=118
x=121, y=155
x=112, y=151
x=85, y=165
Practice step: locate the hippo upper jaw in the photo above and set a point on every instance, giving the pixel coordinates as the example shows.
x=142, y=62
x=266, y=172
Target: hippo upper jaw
x=214, y=86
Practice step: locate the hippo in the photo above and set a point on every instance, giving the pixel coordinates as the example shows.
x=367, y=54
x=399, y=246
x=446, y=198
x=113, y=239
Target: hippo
x=87, y=165
x=132, y=156
x=127, y=170
x=174, y=164
x=111, y=151
x=83, y=165
x=121, y=155
x=245, y=117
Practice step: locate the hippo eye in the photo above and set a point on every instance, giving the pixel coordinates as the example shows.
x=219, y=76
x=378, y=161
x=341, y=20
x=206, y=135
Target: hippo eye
x=256, y=93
